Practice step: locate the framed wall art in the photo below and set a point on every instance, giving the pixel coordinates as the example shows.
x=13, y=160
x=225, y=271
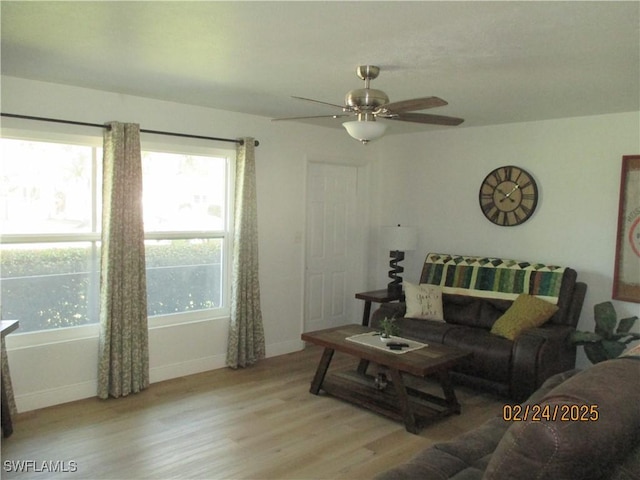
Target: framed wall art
x=626, y=277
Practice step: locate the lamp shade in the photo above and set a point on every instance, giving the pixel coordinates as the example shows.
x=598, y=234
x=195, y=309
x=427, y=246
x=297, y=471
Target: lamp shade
x=402, y=239
x=365, y=131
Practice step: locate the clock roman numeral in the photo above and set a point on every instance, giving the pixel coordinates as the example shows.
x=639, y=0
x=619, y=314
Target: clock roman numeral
x=497, y=176
x=517, y=216
x=515, y=180
x=486, y=197
x=489, y=205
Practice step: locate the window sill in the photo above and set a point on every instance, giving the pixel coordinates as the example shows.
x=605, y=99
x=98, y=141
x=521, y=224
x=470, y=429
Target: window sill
x=18, y=341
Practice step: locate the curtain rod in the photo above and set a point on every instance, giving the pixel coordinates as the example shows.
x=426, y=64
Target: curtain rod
x=97, y=125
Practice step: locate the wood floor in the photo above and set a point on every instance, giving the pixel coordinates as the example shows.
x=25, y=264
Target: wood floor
x=254, y=423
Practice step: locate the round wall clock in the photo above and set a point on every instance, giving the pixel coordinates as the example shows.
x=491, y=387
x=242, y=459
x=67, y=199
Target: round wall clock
x=508, y=196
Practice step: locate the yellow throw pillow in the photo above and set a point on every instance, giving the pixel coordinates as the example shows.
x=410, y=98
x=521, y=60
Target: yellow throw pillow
x=527, y=311
x=423, y=301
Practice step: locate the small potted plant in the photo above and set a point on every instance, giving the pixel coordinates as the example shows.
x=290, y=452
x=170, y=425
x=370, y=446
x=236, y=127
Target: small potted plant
x=610, y=338
x=388, y=328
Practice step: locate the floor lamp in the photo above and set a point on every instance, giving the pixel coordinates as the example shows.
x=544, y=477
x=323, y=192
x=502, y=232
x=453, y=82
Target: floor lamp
x=399, y=240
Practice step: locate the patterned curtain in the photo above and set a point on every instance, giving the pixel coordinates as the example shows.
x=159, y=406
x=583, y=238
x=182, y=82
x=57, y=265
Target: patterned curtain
x=246, y=333
x=6, y=381
x=124, y=346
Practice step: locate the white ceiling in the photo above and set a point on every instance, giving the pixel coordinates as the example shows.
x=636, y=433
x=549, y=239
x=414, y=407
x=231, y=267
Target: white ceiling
x=494, y=62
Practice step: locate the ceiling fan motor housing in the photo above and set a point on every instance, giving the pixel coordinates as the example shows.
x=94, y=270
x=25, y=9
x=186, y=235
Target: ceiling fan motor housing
x=365, y=99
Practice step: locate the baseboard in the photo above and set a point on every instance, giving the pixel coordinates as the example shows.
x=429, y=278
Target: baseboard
x=282, y=348
x=167, y=372
x=80, y=391
x=56, y=396
x=176, y=370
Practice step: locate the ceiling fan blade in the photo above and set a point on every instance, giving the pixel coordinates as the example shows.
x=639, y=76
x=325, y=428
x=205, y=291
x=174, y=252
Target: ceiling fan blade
x=414, y=104
x=312, y=116
x=427, y=118
x=319, y=101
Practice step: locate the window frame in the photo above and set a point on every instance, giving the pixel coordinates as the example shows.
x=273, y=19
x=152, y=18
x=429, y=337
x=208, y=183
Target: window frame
x=184, y=146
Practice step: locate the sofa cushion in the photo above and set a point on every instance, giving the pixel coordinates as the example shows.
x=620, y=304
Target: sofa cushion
x=491, y=354
x=586, y=446
x=462, y=310
x=423, y=301
x=491, y=310
x=526, y=312
x=425, y=331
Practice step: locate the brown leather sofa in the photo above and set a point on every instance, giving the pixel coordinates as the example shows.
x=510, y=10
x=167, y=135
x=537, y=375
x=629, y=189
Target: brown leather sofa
x=510, y=368
x=595, y=434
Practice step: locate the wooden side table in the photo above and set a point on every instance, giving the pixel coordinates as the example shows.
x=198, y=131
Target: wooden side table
x=7, y=326
x=377, y=296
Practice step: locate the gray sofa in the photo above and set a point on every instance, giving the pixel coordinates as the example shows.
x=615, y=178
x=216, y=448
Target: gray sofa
x=476, y=292
x=598, y=437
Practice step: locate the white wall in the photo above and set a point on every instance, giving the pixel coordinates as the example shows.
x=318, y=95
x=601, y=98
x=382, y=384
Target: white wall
x=432, y=180
x=64, y=370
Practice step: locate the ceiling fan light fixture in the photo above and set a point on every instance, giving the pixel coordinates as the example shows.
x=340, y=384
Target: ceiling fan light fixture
x=365, y=131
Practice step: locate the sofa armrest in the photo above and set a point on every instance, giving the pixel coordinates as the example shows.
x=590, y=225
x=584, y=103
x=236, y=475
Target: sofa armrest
x=594, y=444
x=539, y=353
x=387, y=310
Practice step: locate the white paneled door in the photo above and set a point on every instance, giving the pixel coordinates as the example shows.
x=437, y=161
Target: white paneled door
x=333, y=247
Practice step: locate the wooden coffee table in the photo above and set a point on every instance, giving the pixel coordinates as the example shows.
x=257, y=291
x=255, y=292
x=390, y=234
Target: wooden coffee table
x=397, y=400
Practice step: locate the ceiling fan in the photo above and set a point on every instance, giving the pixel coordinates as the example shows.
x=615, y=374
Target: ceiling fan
x=368, y=104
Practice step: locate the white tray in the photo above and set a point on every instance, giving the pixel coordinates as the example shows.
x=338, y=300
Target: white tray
x=373, y=340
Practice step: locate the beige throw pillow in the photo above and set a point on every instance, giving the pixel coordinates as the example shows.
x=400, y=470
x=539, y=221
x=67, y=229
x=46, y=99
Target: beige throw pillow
x=423, y=301
x=527, y=311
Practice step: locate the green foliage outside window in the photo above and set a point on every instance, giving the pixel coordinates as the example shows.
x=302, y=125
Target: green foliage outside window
x=53, y=287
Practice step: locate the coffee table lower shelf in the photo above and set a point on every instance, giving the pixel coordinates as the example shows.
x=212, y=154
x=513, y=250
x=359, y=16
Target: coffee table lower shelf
x=361, y=390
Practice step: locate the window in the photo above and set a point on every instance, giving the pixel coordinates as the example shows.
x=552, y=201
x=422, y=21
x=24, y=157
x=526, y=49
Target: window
x=50, y=234
x=185, y=217
x=50, y=221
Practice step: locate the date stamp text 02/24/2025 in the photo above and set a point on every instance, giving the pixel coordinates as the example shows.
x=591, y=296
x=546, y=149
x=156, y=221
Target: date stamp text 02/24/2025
x=550, y=413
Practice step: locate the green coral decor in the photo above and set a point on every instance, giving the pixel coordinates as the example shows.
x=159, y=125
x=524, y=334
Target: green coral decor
x=610, y=338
